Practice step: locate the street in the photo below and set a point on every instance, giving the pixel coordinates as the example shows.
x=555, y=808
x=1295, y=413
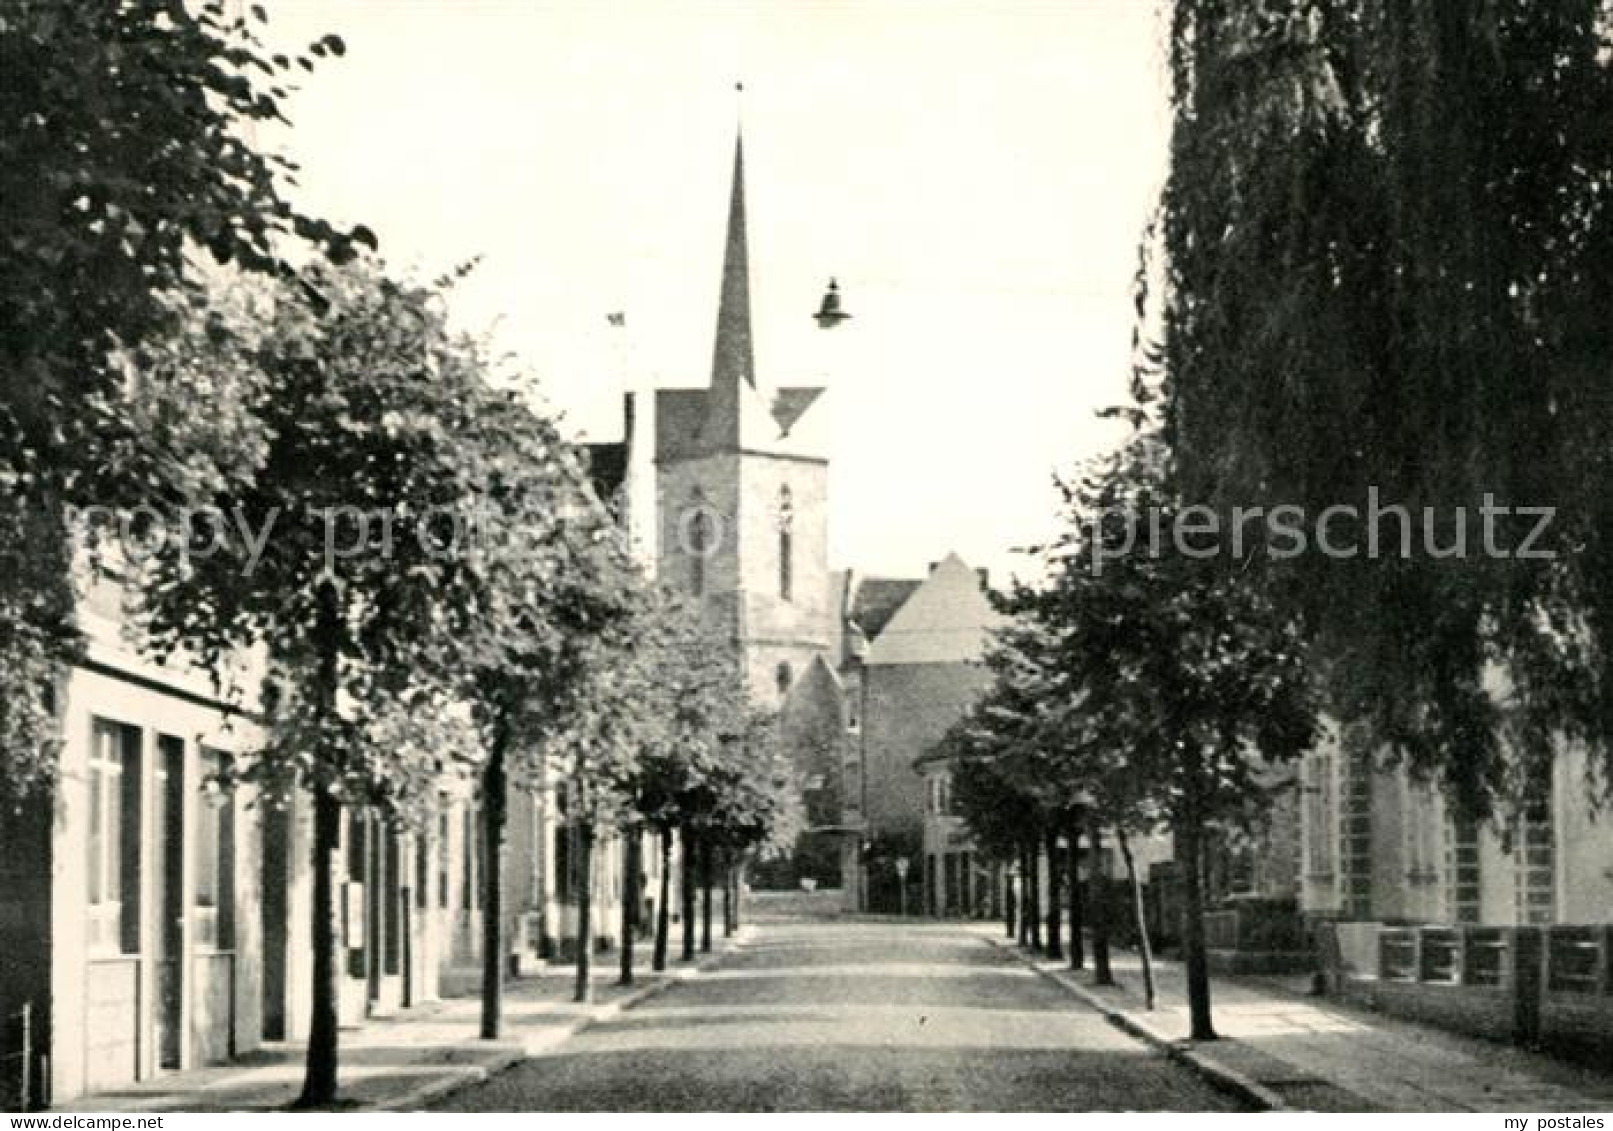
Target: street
x=819, y=1013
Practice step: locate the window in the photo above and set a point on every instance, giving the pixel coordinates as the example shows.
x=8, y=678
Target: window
x=784, y=676
x=1533, y=847
x=113, y=885
x=444, y=854
x=1462, y=868
x=422, y=868
x=699, y=535
x=786, y=544
x=1320, y=839
x=563, y=878
x=215, y=855
x=1355, y=833
x=469, y=897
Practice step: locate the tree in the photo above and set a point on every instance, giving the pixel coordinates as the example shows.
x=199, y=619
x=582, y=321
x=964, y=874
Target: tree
x=597, y=709
x=989, y=797
x=1187, y=669
x=559, y=580
x=1388, y=215
x=125, y=158
x=363, y=590
x=694, y=687
x=1026, y=717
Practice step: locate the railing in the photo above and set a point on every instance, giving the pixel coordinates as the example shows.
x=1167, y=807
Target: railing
x=1484, y=956
x=17, y=1059
x=1440, y=955
x=1447, y=956
x=1577, y=960
x=1397, y=954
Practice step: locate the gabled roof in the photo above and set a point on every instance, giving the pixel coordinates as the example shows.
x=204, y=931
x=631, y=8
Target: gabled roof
x=874, y=600
x=790, y=404
x=948, y=619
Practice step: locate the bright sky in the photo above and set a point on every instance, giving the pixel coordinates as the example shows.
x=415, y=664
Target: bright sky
x=977, y=176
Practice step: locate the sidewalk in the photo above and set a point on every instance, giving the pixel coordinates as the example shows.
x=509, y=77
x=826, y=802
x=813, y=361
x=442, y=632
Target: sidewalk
x=403, y=1062
x=1287, y=1051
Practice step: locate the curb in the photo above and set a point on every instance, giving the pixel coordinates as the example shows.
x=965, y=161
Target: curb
x=511, y=1055
x=1227, y=1079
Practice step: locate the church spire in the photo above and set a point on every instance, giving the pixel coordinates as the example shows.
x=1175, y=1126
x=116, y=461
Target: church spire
x=733, y=359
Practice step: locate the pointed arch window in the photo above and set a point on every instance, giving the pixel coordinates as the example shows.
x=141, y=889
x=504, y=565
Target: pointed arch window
x=786, y=544
x=699, y=540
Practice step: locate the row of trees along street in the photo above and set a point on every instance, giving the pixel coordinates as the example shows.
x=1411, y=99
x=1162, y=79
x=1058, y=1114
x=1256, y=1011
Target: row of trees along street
x=177, y=335
x=1382, y=259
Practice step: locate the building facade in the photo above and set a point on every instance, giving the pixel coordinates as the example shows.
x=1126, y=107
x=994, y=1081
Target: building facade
x=1378, y=845
x=913, y=665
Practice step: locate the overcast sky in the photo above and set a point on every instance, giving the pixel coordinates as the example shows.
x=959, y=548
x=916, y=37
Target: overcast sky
x=975, y=174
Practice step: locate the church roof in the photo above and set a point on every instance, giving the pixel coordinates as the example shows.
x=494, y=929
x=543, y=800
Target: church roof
x=732, y=413
x=733, y=360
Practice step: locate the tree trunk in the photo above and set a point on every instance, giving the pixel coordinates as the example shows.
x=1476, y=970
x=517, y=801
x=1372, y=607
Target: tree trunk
x=1050, y=841
x=1010, y=906
x=1098, y=893
x=1190, y=842
x=1033, y=892
x=706, y=879
x=320, y=1070
x=494, y=804
x=1072, y=883
x=633, y=862
x=1141, y=913
x=687, y=886
x=1020, y=889
x=585, y=912
x=728, y=898
x=663, y=909
x=739, y=891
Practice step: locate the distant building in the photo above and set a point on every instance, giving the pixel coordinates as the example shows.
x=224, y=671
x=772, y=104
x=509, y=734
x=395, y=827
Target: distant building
x=912, y=667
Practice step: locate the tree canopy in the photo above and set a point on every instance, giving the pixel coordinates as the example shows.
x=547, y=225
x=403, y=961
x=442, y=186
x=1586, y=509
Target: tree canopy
x=1386, y=264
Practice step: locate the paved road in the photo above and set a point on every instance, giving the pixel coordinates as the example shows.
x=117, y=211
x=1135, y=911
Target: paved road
x=847, y=1014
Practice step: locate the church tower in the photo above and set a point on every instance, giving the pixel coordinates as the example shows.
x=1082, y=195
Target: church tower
x=742, y=492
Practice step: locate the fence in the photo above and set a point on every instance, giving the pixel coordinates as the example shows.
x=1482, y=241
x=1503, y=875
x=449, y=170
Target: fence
x=1575, y=959
x=1548, y=986
x=17, y=1059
